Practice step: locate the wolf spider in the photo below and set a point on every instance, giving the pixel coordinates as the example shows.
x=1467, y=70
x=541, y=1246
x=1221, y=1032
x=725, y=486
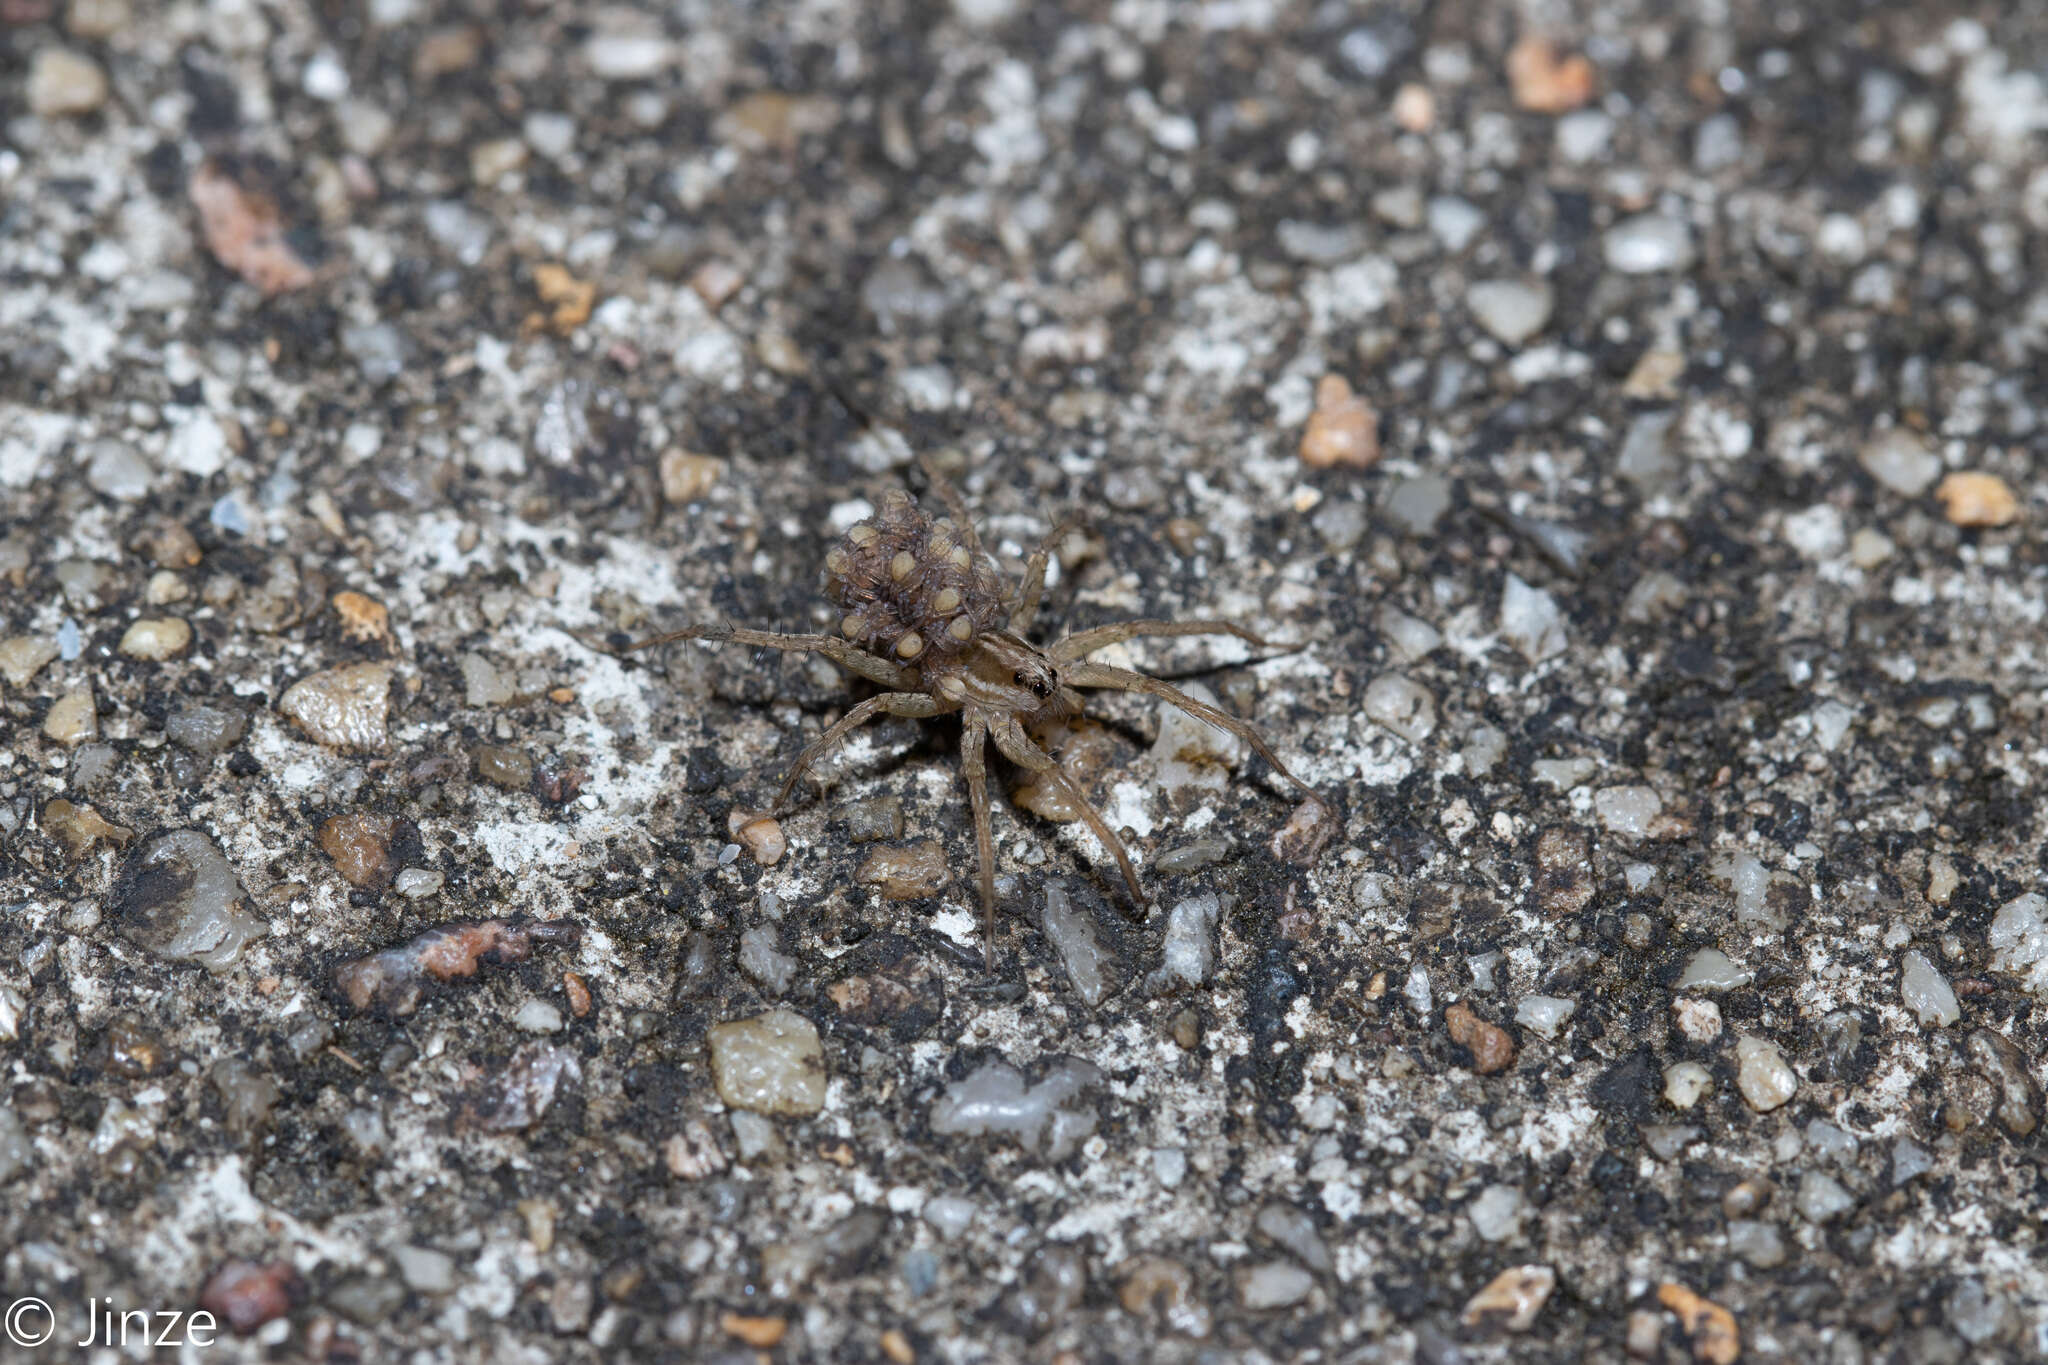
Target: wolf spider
x=928, y=618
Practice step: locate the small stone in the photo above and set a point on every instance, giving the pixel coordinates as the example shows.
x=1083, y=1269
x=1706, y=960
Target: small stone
x=1401, y=705
x=760, y=835
x=490, y=162
x=245, y=232
x=1497, y=1213
x=417, y=883
x=1902, y=460
x=1999, y=1061
x=63, y=84
x=1634, y=812
x=1974, y=499
x=363, y=618
x=1190, y=953
x=245, y=1295
x=879, y=817
x=1411, y=638
x=1273, y=1284
x=1492, y=1047
x=1685, y=1082
x=1543, y=80
x=1545, y=1014
x=1648, y=243
x=206, y=730
x=1511, y=310
x=93, y=20
x=343, y=708
x=1074, y=936
x=628, y=54
x=1710, y=969
x=908, y=872
x=993, y=1099
x=1292, y=1230
x=424, y=1270
x=484, y=683
x=1513, y=1298
x=1909, y=1159
x=1564, y=870
x=769, y=1064
x=761, y=957
x=1531, y=621
x=538, y=1016
x=686, y=477
x=178, y=897
x=1821, y=1198
x=762, y=1333
x=1926, y=992
x=72, y=718
x=1162, y=1291
x=1715, y=1339
x=1647, y=457
x=360, y=845
x=80, y=828
x=504, y=767
x=155, y=640
x=23, y=656
x=1343, y=429
x=1454, y=222
x=117, y=470
x=715, y=282
x=1757, y=1243
x=1699, y=1020
x=1414, y=108
x=1416, y=505
x=1762, y=1074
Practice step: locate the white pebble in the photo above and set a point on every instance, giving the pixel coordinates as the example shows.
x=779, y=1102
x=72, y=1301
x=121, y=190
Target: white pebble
x=1685, y=1082
x=1510, y=309
x=1497, y=1213
x=1927, y=992
x=1648, y=243
x=1630, y=811
x=1902, y=460
x=537, y=1016
x=1762, y=1074
x=1711, y=970
x=1544, y=1014
x=1402, y=706
x=1531, y=621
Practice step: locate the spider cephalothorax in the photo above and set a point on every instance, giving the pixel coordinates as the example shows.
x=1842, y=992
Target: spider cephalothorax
x=926, y=615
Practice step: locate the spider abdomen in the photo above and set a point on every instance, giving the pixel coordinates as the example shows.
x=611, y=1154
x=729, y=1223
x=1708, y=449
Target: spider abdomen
x=911, y=586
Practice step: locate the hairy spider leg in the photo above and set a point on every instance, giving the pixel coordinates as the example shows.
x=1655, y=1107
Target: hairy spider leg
x=956, y=506
x=974, y=767
x=831, y=646
x=1085, y=642
x=1018, y=748
x=915, y=705
x=1031, y=591
x=1123, y=680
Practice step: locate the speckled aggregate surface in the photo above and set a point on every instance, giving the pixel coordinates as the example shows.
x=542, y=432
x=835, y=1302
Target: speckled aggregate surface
x=1667, y=575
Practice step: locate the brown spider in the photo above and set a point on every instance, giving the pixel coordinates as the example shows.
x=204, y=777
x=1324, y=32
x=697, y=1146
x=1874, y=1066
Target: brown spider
x=928, y=618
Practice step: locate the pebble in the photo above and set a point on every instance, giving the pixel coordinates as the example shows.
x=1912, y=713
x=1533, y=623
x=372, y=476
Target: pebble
x=1492, y=1047
x=1584, y=136
x=538, y=1016
x=2019, y=1099
x=769, y=1064
x=1762, y=1074
x=63, y=84
x=1699, y=1020
x=157, y=639
x=1294, y=1232
x=1190, y=951
x=1497, y=1213
x=1685, y=1082
x=1545, y=1014
x=1926, y=992
x=1756, y=1242
x=117, y=470
x=80, y=828
x=1716, y=144
x=1648, y=243
x=1715, y=1339
x=424, y=1270
x=501, y=766
x=1074, y=936
x=359, y=843
x=1321, y=244
x=949, y=1215
x=1710, y=969
x=1411, y=638
x=1510, y=309
x=1343, y=429
x=1401, y=705
x=343, y=708
x=1902, y=460
x=1512, y=1299
x=363, y=619
x=1417, y=504
x=995, y=1100
x=2018, y=938
x=761, y=957
x=1647, y=458
x=1162, y=1290
x=13, y=1009
x=1273, y=1284
x=1189, y=753
x=72, y=718
x=1192, y=856
x=245, y=1295
x=417, y=883
x=762, y=837
x=1973, y=498
x=492, y=161
x=1531, y=621
x=178, y=897
x=687, y=477
x=1909, y=1159
x=1545, y=81
x=1454, y=222
x=96, y=19
x=24, y=656
x=1821, y=1198
x=905, y=873
x=628, y=56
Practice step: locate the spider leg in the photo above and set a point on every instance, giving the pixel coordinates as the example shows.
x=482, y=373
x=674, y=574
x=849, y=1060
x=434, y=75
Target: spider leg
x=956, y=506
x=1018, y=748
x=831, y=646
x=914, y=704
x=1122, y=679
x=974, y=765
x=1024, y=608
x=1082, y=643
